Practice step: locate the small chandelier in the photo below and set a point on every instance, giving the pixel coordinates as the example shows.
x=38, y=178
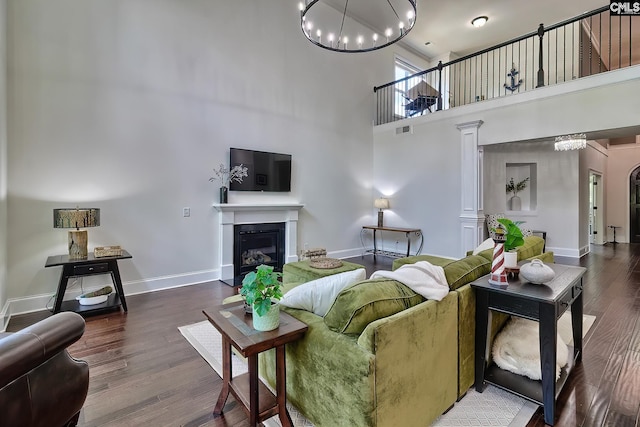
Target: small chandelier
x=576, y=141
x=343, y=32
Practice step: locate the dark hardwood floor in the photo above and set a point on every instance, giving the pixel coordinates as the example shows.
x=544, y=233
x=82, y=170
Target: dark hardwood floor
x=144, y=373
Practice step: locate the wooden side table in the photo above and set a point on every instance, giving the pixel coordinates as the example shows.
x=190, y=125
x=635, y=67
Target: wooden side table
x=88, y=267
x=545, y=304
x=236, y=329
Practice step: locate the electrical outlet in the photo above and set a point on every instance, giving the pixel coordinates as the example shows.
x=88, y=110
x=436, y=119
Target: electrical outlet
x=186, y=212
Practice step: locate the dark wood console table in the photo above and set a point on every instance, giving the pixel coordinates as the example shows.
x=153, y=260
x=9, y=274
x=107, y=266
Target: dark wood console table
x=545, y=304
x=236, y=328
x=407, y=232
x=88, y=267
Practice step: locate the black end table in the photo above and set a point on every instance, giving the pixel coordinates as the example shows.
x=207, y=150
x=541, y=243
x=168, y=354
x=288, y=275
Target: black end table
x=88, y=267
x=545, y=304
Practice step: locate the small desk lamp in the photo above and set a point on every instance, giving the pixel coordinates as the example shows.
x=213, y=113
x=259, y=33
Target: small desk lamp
x=381, y=204
x=76, y=218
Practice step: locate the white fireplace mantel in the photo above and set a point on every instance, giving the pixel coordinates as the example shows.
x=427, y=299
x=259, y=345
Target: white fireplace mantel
x=231, y=214
x=235, y=207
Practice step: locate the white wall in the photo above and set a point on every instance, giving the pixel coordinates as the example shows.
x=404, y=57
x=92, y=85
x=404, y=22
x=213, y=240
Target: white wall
x=3, y=163
x=421, y=171
x=555, y=184
x=622, y=161
x=592, y=159
x=128, y=106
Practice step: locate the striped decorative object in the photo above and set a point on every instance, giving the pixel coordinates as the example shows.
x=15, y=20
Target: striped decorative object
x=498, y=275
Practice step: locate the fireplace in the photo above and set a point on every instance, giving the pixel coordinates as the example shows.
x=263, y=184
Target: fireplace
x=232, y=214
x=256, y=244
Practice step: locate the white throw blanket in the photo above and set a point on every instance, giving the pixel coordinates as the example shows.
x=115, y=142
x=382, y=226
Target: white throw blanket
x=422, y=277
x=517, y=349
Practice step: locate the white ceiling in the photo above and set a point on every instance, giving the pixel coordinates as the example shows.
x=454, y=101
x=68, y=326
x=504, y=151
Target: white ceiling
x=447, y=23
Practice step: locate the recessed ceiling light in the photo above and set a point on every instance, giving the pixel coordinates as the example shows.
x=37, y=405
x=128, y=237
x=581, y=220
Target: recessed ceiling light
x=479, y=21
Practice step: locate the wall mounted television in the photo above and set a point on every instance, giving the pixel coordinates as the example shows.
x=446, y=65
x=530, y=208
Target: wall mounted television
x=266, y=171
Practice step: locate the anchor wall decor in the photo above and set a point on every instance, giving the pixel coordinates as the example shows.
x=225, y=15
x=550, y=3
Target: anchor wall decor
x=513, y=75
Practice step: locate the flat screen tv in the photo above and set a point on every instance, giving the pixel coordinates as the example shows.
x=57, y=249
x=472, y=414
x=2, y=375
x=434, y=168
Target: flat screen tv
x=266, y=171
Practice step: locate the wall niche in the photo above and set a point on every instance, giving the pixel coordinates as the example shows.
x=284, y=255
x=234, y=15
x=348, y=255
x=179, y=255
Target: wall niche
x=524, y=199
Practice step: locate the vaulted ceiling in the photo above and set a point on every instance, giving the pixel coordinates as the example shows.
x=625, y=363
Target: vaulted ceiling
x=446, y=25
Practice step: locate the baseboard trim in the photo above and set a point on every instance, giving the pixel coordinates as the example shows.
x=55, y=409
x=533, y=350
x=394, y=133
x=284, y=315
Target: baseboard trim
x=347, y=253
x=34, y=303
x=566, y=252
x=4, y=317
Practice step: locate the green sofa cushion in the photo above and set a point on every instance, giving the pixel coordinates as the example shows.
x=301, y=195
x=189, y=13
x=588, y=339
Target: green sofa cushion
x=466, y=270
x=486, y=254
x=366, y=301
x=533, y=246
x=432, y=259
x=302, y=272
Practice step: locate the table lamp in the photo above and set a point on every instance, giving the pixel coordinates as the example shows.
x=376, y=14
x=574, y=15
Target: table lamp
x=381, y=204
x=76, y=218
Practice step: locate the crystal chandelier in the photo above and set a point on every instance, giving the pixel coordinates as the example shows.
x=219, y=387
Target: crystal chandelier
x=339, y=25
x=576, y=141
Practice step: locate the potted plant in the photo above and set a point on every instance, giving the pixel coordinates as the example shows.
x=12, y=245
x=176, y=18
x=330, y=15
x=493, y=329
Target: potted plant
x=513, y=187
x=262, y=290
x=512, y=236
x=226, y=176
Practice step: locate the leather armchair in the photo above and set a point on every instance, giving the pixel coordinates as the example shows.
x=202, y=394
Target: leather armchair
x=40, y=383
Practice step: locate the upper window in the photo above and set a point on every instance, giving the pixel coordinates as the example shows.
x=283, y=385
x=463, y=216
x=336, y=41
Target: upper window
x=404, y=69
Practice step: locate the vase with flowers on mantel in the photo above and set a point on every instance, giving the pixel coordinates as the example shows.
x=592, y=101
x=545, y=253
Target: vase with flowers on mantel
x=224, y=194
x=226, y=177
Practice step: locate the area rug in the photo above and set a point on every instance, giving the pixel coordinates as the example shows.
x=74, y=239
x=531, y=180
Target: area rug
x=494, y=407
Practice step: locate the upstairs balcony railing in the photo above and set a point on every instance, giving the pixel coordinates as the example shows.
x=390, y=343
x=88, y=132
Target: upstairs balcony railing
x=591, y=43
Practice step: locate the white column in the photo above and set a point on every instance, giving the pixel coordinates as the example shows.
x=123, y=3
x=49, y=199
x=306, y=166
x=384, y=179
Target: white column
x=471, y=212
x=291, y=237
x=227, y=220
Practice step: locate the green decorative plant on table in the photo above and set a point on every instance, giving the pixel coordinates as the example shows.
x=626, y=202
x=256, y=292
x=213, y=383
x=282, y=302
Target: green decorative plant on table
x=262, y=290
x=515, y=188
x=512, y=237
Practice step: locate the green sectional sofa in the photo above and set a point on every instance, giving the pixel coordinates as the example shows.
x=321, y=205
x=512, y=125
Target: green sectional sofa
x=400, y=370
x=467, y=270
x=383, y=356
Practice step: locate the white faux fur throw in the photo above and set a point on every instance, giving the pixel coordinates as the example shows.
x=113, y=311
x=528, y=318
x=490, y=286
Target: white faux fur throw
x=517, y=349
x=422, y=277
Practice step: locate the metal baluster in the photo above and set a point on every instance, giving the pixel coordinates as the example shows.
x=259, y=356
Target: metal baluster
x=600, y=43
x=609, y=63
x=540, y=69
x=439, y=108
x=620, y=43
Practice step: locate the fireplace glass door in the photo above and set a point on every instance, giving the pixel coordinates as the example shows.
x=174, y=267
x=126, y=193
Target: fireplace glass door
x=257, y=244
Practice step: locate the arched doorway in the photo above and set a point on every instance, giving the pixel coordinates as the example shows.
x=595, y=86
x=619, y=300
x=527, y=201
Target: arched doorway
x=634, y=206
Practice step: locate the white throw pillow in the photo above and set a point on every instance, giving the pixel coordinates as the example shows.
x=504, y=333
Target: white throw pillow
x=487, y=244
x=318, y=295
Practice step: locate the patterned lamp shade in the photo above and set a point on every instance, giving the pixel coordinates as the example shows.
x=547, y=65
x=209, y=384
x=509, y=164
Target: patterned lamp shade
x=76, y=218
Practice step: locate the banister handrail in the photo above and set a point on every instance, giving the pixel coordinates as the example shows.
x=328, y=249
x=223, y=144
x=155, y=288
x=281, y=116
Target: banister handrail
x=498, y=46
x=413, y=76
